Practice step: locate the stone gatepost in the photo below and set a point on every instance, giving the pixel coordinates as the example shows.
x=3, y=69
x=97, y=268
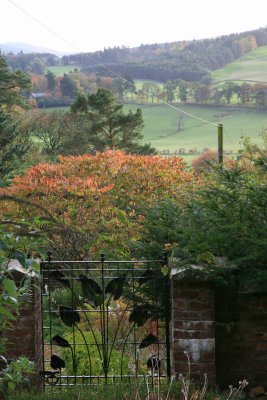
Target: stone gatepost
x=26, y=337
x=192, y=326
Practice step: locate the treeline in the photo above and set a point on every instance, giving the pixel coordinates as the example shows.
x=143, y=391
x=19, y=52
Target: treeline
x=95, y=122
x=35, y=63
x=51, y=90
x=191, y=61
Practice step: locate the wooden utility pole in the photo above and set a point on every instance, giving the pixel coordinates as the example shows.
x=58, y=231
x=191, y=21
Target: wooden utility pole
x=220, y=143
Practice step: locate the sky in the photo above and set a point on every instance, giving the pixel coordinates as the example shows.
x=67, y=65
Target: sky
x=89, y=25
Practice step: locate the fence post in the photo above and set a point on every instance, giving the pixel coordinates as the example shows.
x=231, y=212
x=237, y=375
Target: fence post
x=220, y=143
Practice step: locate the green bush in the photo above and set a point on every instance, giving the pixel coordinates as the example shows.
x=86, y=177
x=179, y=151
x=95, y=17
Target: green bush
x=224, y=221
x=82, y=358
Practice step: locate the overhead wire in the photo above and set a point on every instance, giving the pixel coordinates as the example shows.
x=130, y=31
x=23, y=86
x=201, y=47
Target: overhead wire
x=103, y=65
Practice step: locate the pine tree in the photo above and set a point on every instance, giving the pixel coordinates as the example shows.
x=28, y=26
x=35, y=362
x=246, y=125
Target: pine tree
x=110, y=127
x=11, y=85
x=13, y=147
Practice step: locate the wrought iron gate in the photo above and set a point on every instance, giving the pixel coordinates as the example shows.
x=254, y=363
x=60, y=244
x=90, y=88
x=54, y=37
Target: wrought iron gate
x=105, y=321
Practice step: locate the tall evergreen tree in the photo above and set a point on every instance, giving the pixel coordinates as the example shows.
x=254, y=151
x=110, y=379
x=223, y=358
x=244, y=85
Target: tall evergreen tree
x=11, y=85
x=110, y=127
x=13, y=144
x=13, y=147
x=51, y=81
x=67, y=86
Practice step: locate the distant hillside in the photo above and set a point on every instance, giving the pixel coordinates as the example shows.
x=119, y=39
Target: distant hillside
x=252, y=67
x=191, y=61
x=27, y=48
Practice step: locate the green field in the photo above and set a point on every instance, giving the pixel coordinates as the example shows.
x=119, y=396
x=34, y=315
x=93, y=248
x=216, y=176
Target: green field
x=161, y=124
x=251, y=67
x=60, y=70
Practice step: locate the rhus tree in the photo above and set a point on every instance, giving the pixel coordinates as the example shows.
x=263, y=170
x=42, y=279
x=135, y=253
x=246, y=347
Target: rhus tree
x=98, y=200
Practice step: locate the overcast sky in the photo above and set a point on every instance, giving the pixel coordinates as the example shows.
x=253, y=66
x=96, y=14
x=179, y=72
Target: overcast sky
x=89, y=25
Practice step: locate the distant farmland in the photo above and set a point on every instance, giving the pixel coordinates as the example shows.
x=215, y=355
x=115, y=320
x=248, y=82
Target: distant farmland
x=168, y=129
x=162, y=125
x=60, y=70
x=252, y=67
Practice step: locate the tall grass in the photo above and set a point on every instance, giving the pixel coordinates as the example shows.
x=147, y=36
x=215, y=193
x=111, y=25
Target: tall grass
x=181, y=387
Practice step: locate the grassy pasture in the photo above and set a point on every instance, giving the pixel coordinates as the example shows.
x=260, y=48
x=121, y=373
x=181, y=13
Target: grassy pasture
x=161, y=123
x=139, y=83
x=60, y=70
x=250, y=67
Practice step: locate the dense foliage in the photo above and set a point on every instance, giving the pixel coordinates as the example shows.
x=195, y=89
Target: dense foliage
x=109, y=126
x=19, y=245
x=96, y=200
x=226, y=222
x=190, y=61
x=14, y=141
x=14, y=146
x=11, y=85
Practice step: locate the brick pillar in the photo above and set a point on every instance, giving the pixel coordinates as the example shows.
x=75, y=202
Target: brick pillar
x=26, y=337
x=193, y=327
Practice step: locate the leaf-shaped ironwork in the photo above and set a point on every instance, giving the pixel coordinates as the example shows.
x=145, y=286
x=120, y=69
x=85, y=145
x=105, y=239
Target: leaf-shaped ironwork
x=149, y=340
x=57, y=362
x=60, y=341
x=148, y=275
x=153, y=363
x=60, y=277
x=69, y=316
x=140, y=315
x=115, y=287
x=91, y=290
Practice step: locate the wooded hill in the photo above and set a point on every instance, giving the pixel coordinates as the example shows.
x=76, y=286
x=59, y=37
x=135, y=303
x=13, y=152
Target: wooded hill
x=187, y=60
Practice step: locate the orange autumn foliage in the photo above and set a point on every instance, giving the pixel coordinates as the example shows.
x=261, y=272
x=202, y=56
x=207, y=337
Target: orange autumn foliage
x=102, y=195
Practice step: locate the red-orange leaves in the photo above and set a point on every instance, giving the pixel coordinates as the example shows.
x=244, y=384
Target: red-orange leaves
x=102, y=195
x=55, y=179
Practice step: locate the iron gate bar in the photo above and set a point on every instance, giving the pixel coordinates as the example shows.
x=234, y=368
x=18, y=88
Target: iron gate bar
x=100, y=272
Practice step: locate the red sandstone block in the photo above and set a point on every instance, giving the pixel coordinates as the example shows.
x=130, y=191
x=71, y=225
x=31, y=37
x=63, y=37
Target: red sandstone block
x=208, y=357
x=192, y=334
x=185, y=293
x=199, y=306
x=202, y=368
x=179, y=304
x=195, y=325
x=187, y=315
x=180, y=367
x=179, y=357
x=197, y=315
x=261, y=346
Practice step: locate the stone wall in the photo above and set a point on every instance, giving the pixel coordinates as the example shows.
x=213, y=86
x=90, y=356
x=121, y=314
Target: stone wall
x=193, y=329
x=26, y=337
x=241, y=337
x=224, y=331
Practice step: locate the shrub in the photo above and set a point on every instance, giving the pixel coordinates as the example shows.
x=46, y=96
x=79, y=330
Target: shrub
x=96, y=201
x=82, y=357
